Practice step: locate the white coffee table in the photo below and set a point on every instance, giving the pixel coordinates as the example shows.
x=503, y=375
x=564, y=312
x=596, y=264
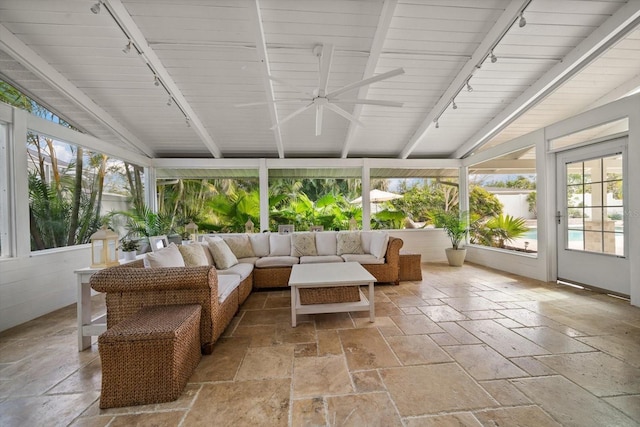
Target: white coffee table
x=328, y=275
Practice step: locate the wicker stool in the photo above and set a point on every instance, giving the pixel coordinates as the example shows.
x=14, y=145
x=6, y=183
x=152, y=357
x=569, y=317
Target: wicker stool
x=410, y=267
x=149, y=357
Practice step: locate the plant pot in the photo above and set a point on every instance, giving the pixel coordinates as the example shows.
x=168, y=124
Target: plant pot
x=456, y=256
x=130, y=256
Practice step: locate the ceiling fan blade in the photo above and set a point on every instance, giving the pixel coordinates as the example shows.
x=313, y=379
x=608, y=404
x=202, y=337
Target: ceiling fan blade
x=325, y=66
x=319, y=112
x=367, y=101
x=292, y=115
x=275, y=101
x=365, y=82
x=292, y=87
x=343, y=113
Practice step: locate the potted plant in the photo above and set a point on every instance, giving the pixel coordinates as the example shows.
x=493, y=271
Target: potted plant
x=457, y=227
x=129, y=248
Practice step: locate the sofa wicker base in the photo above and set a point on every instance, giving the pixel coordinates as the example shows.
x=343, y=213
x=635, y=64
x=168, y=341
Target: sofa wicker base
x=410, y=267
x=149, y=357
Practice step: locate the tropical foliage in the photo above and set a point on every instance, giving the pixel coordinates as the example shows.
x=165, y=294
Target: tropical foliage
x=499, y=230
x=456, y=225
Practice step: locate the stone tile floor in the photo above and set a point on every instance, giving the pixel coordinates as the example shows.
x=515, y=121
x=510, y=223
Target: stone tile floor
x=466, y=346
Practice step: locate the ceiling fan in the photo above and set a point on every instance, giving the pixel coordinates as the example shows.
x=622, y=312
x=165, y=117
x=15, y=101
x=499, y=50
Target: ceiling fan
x=321, y=99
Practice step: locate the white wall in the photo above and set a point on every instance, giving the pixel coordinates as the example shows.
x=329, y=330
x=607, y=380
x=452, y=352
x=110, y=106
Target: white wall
x=429, y=242
x=39, y=284
x=515, y=205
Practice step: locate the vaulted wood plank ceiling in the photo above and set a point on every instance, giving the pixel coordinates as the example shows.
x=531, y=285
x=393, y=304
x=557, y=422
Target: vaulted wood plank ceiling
x=211, y=55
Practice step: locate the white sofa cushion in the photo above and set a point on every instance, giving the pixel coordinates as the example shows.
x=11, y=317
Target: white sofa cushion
x=326, y=243
x=227, y=283
x=193, y=255
x=241, y=269
x=167, y=257
x=362, y=258
x=222, y=255
x=276, y=261
x=207, y=252
x=240, y=245
x=348, y=242
x=279, y=244
x=260, y=244
x=365, y=240
x=379, y=242
x=250, y=260
x=303, y=244
x=320, y=258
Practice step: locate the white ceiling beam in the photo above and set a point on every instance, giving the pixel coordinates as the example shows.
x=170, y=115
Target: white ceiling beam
x=620, y=91
x=498, y=30
x=120, y=14
x=41, y=69
x=263, y=59
x=605, y=36
x=386, y=14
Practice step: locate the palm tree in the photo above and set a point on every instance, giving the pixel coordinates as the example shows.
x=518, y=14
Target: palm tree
x=505, y=228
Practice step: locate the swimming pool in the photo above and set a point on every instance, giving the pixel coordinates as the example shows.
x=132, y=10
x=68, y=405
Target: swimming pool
x=574, y=235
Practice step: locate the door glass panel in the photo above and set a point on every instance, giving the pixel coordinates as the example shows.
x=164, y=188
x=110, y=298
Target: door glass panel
x=595, y=208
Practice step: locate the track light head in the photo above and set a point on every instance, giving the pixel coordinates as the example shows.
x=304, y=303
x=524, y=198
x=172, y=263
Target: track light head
x=127, y=48
x=169, y=101
x=156, y=81
x=469, y=88
x=437, y=124
x=454, y=105
x=96, y=7
x=522, y=21
x=494, y=58
x=186, y=119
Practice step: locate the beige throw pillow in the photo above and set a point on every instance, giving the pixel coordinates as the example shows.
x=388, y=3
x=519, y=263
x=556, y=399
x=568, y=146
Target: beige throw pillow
x=222, y=255
x=193, y=255
x=240, y=246
x=167, y=257
x=349, y=243
x=303, y=244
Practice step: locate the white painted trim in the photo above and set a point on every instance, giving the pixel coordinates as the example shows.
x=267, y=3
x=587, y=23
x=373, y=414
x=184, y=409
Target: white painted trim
x=384, y=22
x=516, y=144
x=263, y=174
x=19, y=173
x=6, y=230
x=495, y=34
x=263, y=58
x=617, y=26
x=40, y=68
x=365, y=189
x=170, y=163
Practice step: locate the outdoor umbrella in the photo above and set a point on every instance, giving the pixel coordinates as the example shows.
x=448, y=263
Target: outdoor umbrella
x=377, y=196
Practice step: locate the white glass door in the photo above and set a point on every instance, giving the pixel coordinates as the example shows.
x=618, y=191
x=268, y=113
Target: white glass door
x=592, y=242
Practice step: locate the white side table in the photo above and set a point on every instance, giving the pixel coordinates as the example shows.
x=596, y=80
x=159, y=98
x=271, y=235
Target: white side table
x=87, y=326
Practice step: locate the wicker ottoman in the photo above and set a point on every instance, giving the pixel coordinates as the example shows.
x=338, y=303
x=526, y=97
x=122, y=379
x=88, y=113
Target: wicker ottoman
x=149, y=357
x=410, y=267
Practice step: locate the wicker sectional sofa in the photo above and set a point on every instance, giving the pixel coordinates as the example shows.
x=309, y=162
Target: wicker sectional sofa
x=220, y=292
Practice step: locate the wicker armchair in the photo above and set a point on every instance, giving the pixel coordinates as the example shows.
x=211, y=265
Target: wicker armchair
x=130, y=287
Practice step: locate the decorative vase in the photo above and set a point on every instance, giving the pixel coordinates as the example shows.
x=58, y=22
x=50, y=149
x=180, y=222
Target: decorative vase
x=456, y=256
x=130, y=255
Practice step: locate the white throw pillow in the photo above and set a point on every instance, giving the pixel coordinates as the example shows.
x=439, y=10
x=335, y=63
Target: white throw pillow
x=207, y=252
x=260, y=243
x=240, y=246
x=222, y=255
x=326, y=243
x=303, y=244
x=379, y=241
x=167, y=257
x=280, y=244
x=365, y=240
x=193, y=255
x=349, y=243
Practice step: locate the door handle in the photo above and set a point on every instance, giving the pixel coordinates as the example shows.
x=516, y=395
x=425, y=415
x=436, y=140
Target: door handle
x=558, y=217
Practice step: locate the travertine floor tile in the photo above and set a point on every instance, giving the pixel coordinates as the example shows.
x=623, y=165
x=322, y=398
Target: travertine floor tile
x=30, y=411
x=242, y=403
x=223, y=363
x=630, y=405
x=367, y=381
x=484, y=363
x=87, y=378
x=505, y=392
x=430, y=389
x=462, y=419
x=418, y=324
x=459, y=333
x=599, y=373
x=318, y=376
x=333, y=321
x=159, y=419
x=471, y=303
x=267, y=317
x=442, y=313
x=417, y=349
x=366, y=349
x=371, y=409
x=528, y=416
x=569, y=404
x=501, y=339
x=266, y=363
x=329, y=343
x=482, y=314
x=617, y=346
x=308, y=412
x=552, y=340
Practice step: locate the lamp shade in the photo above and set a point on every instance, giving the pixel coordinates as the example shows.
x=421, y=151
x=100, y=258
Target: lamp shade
x=104, y=248
x=192, y=230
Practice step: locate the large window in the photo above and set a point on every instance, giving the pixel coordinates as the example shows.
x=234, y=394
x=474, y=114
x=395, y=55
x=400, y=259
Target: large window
x=4, y=194
x=502, y=202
